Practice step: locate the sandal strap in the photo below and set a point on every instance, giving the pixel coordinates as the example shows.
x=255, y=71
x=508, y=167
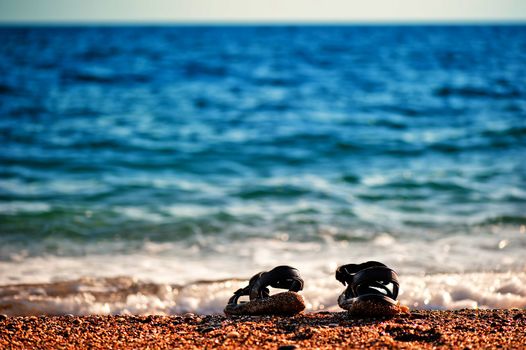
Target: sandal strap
x=345, y=273
x=237, y=294
x=368, y=278
x=283, y=277
x=374, y=278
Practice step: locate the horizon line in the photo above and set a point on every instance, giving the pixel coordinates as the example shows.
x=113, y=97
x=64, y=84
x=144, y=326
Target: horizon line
x=145, y=22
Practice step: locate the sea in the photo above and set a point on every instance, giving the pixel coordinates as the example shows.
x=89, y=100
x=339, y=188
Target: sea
x=154, y=169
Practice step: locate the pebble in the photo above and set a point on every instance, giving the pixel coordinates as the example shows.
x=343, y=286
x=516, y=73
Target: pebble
x=190, y=317
x=288, y=347
x=207, y=329
x=3, y=317
x=451, y=329
x=233, y=334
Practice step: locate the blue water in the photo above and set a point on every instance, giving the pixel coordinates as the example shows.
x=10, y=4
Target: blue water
x=259, y=129
x=176, y=151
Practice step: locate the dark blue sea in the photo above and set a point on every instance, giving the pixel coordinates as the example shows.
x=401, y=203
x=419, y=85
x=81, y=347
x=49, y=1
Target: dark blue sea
x=175, y=154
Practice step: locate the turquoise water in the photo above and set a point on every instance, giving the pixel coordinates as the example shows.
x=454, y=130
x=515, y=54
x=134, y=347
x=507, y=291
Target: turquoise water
x=201, y=141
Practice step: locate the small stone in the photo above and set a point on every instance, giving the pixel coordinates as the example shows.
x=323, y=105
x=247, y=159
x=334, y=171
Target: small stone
x=191, y=318
x=207, y=329
x=233, y=334
x=176, y=319
x=288, y=347
x=3, y=317
x=404, y=309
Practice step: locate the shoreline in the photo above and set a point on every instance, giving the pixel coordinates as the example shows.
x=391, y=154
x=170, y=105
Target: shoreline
x=325, y=330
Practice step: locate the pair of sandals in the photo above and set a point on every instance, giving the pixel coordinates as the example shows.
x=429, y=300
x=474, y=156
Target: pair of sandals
x=372, y=289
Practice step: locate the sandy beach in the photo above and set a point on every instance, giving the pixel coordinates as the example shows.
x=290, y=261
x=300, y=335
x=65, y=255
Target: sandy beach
x=466, y=329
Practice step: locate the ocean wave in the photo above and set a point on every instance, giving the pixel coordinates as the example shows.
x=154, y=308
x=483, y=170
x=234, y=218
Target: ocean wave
x=16, y=207
x=6, y=89
x=504, y=220
x=126, y=295
x=163, y=277
x=102, y=75
x=511, y=131
x=180, y=257
x=477, y=92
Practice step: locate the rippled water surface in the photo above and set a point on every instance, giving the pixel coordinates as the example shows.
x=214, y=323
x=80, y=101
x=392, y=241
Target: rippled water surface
x=187, y=148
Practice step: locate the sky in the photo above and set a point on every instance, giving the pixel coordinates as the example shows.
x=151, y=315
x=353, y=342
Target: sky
x=16, y=11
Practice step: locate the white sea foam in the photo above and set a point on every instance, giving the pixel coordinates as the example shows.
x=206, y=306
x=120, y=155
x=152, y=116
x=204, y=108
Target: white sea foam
x=16, y=207
x=488, y=271
x=138, y=213
x=61, y=186
x=126, y=295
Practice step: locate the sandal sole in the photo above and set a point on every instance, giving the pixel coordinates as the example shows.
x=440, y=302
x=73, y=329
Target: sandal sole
x=286, y=303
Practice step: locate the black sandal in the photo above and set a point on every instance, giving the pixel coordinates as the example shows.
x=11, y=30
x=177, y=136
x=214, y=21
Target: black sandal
x=261, y=302
x=372, y=289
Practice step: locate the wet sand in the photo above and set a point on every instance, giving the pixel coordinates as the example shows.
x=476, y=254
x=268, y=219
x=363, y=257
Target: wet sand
x=419, y=329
